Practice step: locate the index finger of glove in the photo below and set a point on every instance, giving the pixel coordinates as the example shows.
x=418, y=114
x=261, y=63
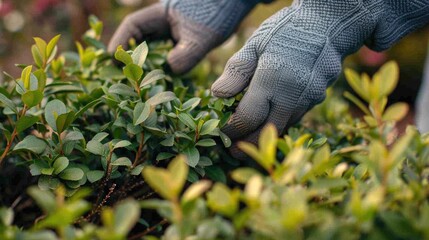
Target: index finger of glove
x=148, y=23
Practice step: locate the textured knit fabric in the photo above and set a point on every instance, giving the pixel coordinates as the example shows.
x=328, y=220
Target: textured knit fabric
x=197, y=26
x=422, y=105
x=296, y=54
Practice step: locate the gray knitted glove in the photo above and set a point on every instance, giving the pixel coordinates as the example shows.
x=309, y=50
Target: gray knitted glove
x=197, y=26
x=296, y=54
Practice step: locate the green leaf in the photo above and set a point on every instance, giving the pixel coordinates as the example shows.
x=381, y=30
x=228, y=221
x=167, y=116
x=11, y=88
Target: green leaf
x=209, y=126
x=168, y=141
x=223, y=200
x=60, y=164
x=192, y=156
x=122, y=144
x=72, y=174
x=225, y=139
x=123, y=161
x=53, y=109
x=126, y=215
x=122, y=90
x=31, y=143
x=141, y=113
x=396, y=112
x=25, y=76
x=206, y=143
x=37, y=235
x=139, y=54
x=96, y=148
x=122, y=56
x=45, y=199
x=6, y=216
x=399, y=149
x=187, y=120
x=8, y=103
x=137, y=170
x=87, y=107
x=164, y=156
x=329, y=183
x=94, y=176
x=47, y=171
x=152, y=77
x=73, y=136
x=64, y=120
x=111, y=72
x=41, y=79
x=243, y=175
x=191, y=104
x=160, y=98
x=100, y=136
x=133, y=72
x=205, y=162
x=32, y=98
x=25, y=122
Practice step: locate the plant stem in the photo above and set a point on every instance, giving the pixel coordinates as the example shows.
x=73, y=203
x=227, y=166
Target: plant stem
x=12, y=137
x=9, y=145
x=149, y=230
x=139, y=151
x=138, y=89
x=109, y=165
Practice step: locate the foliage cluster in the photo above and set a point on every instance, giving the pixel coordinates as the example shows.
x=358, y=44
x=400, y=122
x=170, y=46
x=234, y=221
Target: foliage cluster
x=130, y=151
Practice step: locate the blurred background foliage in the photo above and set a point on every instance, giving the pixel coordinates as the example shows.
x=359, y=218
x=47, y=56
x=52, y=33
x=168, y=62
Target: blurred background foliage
x=22, y=19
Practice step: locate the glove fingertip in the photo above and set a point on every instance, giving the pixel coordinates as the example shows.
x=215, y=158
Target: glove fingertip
x=219, y=90
x=182, y=59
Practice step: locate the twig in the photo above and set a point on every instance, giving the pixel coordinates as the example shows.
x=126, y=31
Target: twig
x=149, y=230
x=97, y=209
x=12, y=137
x=139, y=151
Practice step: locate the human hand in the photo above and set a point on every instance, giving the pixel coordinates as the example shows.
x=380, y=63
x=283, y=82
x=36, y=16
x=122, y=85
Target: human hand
x=196, y=26
x=288, y=63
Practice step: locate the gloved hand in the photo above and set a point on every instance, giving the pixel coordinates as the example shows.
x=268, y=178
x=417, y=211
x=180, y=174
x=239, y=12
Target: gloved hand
x=296, y=54
x=197, y=26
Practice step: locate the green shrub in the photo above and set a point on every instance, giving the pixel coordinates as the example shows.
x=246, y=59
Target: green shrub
x=130, y=151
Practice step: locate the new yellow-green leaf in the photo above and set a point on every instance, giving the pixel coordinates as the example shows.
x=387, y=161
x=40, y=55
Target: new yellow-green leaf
x=122, y=56
x=389, y=77
x=268, y=145
x=41, y=45
x=167, y=182
x=354, y=81
x=196, y=190
x=223, y=200
x=396, y=112
x=51, y=47
x=25, y=76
